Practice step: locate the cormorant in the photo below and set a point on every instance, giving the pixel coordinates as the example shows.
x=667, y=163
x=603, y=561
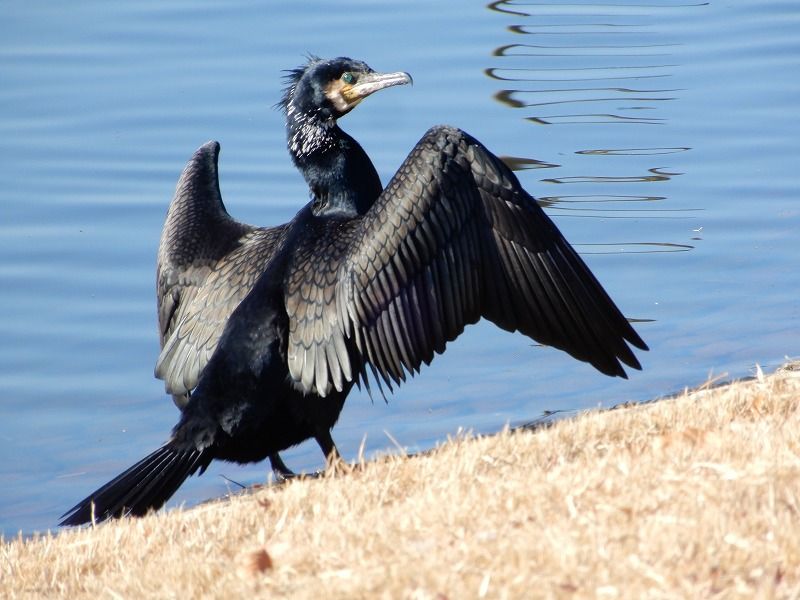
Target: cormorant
x=270, y=328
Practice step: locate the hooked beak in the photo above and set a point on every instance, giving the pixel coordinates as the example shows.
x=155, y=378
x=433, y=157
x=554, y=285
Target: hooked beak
x=369, y=83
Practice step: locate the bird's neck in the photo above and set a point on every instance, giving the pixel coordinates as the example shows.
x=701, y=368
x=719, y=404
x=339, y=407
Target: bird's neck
x=340, y=176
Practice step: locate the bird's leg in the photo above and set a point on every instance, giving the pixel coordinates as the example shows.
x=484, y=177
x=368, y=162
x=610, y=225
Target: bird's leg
x=279, y=467
x=333, y=459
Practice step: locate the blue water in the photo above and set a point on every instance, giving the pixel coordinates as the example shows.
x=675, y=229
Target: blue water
x=661, y=136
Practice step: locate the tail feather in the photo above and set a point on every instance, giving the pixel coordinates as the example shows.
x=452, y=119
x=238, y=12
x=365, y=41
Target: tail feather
x=177, y=471
x=149, y=487
x=146, y=485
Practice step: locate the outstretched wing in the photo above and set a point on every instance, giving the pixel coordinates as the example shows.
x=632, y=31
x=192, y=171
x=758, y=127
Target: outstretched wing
x=198, y=231
x=207, y=263
x=453, y=238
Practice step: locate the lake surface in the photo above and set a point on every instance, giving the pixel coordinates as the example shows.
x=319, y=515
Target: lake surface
x=660, y=136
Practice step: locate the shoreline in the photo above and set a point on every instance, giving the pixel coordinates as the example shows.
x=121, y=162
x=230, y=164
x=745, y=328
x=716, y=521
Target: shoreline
x=687, y=496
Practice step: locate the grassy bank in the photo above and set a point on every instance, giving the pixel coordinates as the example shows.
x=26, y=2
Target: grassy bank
x=695, y=496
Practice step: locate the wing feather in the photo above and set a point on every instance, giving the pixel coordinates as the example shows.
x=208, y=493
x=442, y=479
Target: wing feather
x=453, y=238
x=207, y=264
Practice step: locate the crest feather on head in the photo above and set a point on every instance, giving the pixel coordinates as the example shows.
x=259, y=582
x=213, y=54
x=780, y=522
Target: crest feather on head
x=291, y=77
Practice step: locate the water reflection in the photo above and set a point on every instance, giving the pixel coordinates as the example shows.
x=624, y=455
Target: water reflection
x=512, y=97
x=632, y=213
x=558, y=29
x=521, y=163
x=600, y=99
x=656, y=174
x=585, y=44
x=634, y=248
x=632, y=151
x=591, y=67
x=584, y=51
x=562, y=202
x=593, y=119
x=516, y=8
x=580, y=74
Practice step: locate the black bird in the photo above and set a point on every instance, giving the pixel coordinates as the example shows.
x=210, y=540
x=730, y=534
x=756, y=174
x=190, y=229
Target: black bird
x=362, y=278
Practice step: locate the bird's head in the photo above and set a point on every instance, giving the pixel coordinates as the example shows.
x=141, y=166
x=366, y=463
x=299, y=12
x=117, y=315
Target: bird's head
x=329, y=89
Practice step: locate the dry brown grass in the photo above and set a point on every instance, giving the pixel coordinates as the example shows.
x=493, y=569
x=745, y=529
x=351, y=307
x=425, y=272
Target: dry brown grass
x=696, y=496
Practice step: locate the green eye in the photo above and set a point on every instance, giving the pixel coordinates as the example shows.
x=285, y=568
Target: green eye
x=348, y=77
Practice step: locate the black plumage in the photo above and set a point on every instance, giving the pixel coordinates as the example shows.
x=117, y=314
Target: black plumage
x=270, y=328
